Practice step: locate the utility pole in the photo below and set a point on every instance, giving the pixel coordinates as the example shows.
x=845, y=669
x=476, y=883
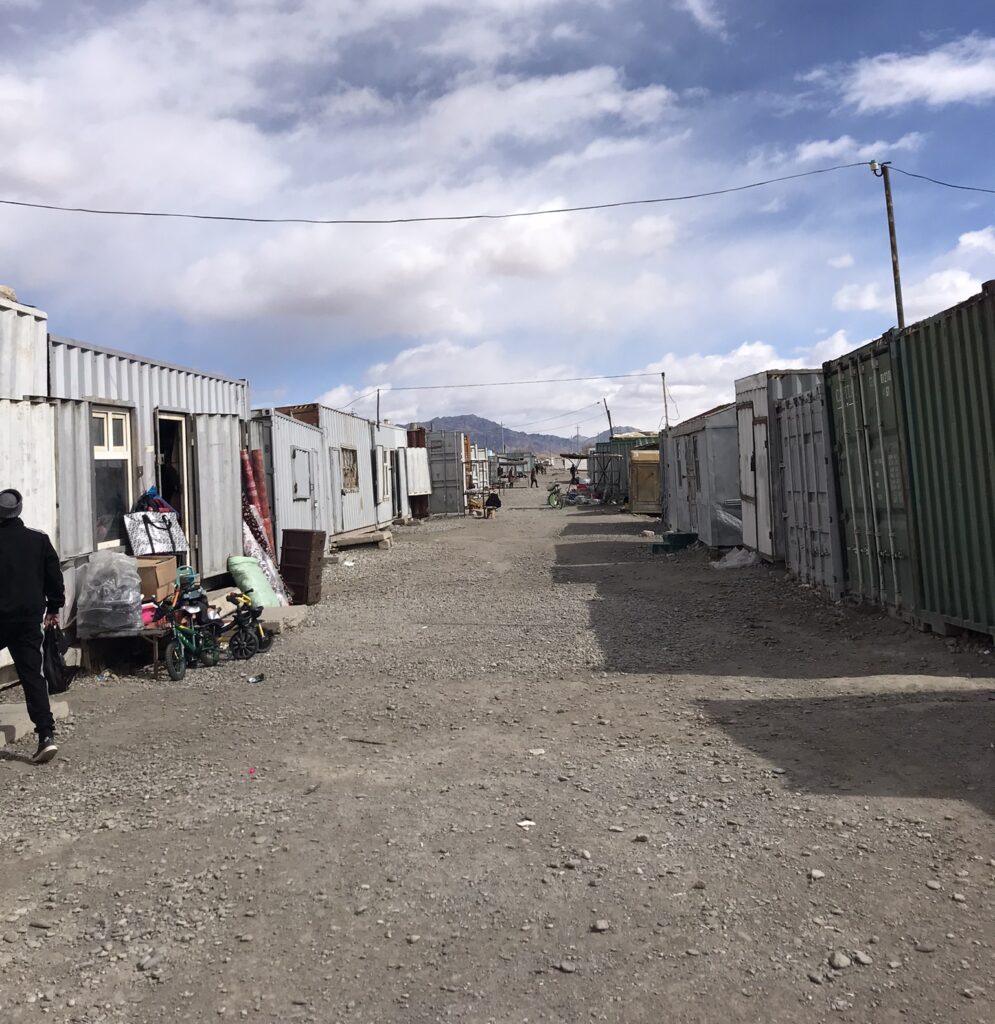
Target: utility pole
x=578, y=439
x=504, y=447
x=378, y=407
x=611, y=429
x=883, y=171
x=666, y=411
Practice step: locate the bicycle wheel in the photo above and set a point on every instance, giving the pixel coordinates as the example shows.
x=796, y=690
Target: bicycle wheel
x=209, y=653
x=553, y=501
x=265, y=638
x=175, y=660
x=244, y=643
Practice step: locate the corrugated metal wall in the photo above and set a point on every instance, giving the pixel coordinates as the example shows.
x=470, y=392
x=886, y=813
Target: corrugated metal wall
x=23, y=351
x=705, y=478
x=946, y=374
x=808, y=492
x=419, y=478
x=448, y=469
x=871, y=470
x=758, y=456
x=284, y=441
x=74, y=463
x=389, y=438
x=219, y=491
x=27, y=463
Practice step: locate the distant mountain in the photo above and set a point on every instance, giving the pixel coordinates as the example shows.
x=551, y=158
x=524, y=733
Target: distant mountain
x=489, y=434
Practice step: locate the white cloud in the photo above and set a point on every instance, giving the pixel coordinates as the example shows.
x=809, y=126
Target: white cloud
x=841, y=262
x=863, y=298
x=957, y=72
x=938, y=292
x=848, y=148
x=981, y=241
x=705, y=13
x=756, y=287
x=837, y=344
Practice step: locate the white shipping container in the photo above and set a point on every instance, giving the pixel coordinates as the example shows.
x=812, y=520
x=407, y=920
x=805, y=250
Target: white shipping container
x=758, y=456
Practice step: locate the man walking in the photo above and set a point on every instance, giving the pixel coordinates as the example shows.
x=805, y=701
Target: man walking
x=30, y=584
x=532, y=478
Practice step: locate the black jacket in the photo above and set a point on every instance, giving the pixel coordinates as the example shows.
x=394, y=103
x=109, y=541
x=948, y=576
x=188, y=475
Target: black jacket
x=30, y=575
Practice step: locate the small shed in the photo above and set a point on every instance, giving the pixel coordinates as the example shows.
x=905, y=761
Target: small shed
x=701, y=462
x=760, y=458
x=448, y=468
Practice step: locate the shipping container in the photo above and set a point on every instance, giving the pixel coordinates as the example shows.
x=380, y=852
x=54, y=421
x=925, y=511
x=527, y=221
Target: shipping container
x=349, y=460
x=296, y=472
x=644, y=481
x=702, y=472
x=758, y=456
x=810, y=524
x=870, y=465
x=608, y=465
x=913, y=421
x=448, y=470
x=126, y=422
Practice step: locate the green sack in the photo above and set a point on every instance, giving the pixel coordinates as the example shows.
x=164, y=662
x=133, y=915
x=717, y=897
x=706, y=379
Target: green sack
x=249, y=578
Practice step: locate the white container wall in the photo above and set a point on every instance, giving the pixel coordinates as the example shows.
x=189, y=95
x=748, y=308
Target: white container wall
x=759, y=480
x=296, y=472
x=27, y=463
x=23, y=351
x=448, y=469
x=419, y=477
x=704, y=478
x=812, y=549
x=179, y=429
x=350, y=465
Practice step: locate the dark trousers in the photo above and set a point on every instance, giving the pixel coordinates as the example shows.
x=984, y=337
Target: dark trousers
x=535, y=483
x=23, y=640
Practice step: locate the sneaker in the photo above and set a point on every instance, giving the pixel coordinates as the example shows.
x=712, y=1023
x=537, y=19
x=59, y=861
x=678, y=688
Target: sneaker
x=46, y=750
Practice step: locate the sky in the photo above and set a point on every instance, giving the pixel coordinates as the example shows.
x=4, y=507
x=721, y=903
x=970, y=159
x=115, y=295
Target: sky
x=406, y=108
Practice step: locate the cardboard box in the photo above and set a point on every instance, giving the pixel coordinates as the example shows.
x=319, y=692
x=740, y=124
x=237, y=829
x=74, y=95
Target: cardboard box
x=157, y=576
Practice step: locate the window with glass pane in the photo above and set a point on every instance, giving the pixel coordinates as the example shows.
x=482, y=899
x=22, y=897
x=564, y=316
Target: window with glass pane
x=98, y=430
x=110, y=499
x=117, y=431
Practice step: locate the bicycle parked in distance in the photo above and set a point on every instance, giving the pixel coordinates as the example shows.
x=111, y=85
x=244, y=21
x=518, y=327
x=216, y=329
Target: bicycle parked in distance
x=557, y=498
x=190, y=642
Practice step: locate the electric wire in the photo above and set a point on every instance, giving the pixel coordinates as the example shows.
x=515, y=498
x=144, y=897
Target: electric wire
x=555, y=416
x=945, y=184
x=439, y=218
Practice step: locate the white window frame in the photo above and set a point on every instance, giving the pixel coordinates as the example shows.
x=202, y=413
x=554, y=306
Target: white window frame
x=354, y=452
x=108, y=452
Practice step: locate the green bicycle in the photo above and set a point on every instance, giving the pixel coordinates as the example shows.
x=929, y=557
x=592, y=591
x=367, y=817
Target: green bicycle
x=189, y=644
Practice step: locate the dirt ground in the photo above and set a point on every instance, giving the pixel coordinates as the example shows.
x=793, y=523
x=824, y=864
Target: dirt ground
x=519, y=771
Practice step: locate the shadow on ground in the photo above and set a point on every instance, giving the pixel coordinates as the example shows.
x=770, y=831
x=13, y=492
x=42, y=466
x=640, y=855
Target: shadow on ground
x=927, y=745
x=676, y=614
x=592, y=524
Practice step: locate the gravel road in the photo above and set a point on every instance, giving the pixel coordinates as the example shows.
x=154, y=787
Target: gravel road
x=514, y=771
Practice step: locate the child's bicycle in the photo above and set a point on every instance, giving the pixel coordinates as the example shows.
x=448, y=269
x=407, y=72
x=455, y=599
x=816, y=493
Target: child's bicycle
x=189, y=643
x=556, y=497
x=250, y=637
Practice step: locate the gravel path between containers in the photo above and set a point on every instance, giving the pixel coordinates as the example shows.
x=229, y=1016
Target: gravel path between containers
x=518, y=771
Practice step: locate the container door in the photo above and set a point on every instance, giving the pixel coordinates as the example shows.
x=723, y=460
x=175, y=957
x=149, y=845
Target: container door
x=302, y=477
x=692, y=469
x=747, y=472
x=763, y=503
x=172, y=470
x=216, y=502
x=335, y=483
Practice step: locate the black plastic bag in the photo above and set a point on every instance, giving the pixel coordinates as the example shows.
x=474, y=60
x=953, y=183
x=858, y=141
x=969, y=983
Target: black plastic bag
x=58, y=674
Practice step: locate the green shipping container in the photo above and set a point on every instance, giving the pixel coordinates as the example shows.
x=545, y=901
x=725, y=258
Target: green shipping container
x=913, y=432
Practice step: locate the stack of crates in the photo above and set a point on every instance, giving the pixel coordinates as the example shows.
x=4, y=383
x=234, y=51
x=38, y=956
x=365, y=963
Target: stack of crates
x=301, y=564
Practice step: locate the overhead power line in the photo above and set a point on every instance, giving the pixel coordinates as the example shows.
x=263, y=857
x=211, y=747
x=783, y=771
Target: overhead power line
x=431, y=219
x=556, y=416
x=945, y=184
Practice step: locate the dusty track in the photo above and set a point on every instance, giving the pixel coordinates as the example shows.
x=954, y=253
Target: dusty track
x=341, y=842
